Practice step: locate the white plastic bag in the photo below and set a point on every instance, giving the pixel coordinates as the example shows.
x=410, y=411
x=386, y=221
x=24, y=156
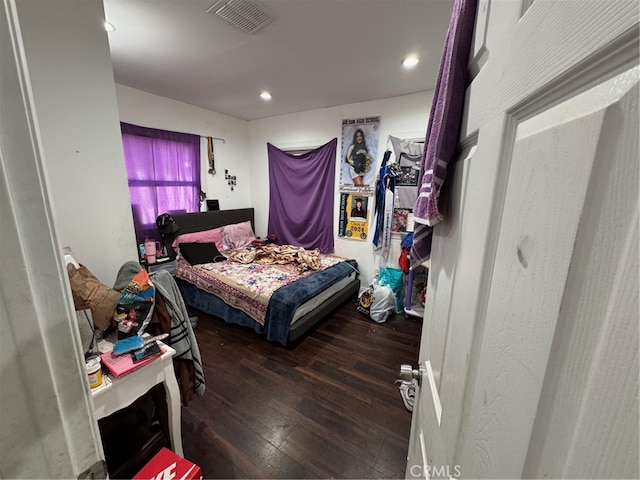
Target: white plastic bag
x=384, y=302
x=365, y=299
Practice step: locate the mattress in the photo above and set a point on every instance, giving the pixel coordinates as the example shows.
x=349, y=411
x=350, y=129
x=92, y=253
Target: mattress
x=316, y=301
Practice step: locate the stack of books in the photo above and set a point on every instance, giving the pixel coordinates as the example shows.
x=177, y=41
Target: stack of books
x=120, y=365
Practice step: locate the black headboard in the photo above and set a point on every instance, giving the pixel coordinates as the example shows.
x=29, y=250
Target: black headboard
x=197, y=222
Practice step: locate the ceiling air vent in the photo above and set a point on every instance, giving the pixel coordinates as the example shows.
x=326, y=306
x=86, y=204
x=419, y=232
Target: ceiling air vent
x=244, y=15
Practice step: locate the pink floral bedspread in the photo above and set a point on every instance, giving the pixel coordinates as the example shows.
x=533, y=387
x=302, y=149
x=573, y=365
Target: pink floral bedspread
x=249, y=286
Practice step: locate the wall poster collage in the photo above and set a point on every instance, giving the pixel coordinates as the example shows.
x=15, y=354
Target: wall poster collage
x=408, y=156
x=358, y=173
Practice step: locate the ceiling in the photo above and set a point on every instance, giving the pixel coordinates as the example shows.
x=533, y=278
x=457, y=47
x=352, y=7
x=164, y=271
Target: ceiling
x=313, y=54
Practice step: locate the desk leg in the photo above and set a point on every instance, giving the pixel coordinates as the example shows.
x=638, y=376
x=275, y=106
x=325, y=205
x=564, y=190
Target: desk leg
x=173, y=408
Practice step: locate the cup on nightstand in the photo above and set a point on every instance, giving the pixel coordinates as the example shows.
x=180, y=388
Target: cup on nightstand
x=151, y=248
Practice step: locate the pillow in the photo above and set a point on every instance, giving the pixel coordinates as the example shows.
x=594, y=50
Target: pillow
x=89, y=292
x=206, y=236
x=198, y=253
x=238, y=235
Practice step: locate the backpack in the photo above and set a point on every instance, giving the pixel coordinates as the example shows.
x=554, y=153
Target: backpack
x=166, y=225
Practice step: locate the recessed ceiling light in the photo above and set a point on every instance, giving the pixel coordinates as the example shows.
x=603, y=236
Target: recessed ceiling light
x=265, y=95
x=410, y=61
x=109, y=27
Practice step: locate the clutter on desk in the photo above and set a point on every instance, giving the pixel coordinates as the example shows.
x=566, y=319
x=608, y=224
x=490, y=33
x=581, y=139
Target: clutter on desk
x=128, y=344
x=150, y=350
x=170, y=315
x=136, y=342
x=94, y=371
x=135, y=306
x=105, y=345
x=120, y=365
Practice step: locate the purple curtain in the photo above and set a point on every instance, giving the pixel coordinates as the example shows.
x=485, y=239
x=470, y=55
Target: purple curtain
x=163, y=170
x=301, y=196
x=444, y=126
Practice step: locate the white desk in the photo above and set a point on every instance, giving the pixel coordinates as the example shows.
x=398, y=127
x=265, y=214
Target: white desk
x=117, y=393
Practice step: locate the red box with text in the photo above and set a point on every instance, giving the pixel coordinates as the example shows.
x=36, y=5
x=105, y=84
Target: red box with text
x=168, y=465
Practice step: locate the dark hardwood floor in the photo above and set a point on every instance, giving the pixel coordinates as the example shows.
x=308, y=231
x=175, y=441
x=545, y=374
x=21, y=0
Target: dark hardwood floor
x=327, y=408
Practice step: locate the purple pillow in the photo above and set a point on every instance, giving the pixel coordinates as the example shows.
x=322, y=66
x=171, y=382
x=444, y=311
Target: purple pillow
x=238, y=235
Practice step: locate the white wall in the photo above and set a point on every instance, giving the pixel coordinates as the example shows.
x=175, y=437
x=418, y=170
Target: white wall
x=69, y=63
x=404, y=117
x=153, y=111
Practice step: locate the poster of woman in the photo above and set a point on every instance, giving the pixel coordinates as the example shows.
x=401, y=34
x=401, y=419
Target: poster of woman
x=359, y=154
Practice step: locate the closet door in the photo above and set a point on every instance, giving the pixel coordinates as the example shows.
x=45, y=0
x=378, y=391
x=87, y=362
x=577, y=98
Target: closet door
x=529, y=351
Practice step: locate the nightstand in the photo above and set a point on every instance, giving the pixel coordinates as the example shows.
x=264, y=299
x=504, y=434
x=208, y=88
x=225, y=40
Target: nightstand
x=169, y=265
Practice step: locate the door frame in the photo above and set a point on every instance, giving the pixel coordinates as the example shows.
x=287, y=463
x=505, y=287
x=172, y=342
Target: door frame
x=57, y=435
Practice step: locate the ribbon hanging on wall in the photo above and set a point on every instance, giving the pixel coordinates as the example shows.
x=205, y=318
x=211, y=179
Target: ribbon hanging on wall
x=212, y=160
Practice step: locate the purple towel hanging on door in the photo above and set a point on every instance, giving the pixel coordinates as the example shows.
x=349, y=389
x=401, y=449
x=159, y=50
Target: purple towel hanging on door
x=444, y=126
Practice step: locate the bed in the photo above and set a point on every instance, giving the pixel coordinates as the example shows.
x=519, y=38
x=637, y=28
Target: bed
x=284, y=314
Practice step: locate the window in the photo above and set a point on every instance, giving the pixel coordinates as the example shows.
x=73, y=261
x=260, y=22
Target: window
x=163, y=171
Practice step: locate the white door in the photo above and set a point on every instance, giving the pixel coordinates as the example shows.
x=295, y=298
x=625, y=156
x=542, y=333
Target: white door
x=47, y=427
x=530, y=336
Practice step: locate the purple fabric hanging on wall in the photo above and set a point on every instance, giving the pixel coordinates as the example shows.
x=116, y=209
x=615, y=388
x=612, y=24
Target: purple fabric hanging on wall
x=301, y=196
x=444, y=126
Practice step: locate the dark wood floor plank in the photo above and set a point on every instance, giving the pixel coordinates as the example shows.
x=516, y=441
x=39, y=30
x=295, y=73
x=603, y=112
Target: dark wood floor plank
x=326, y=408
x=392, y=459
x=321, y=456
x=249, y=453
x=345, y=433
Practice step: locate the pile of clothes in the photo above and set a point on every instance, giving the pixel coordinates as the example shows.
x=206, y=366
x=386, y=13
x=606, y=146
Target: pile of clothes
x=168, y=314
x=135, y=307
